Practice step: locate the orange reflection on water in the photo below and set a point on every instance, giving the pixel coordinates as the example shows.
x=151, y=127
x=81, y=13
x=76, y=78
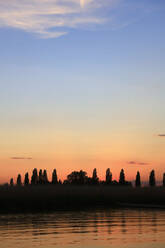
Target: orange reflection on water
x=93, y=228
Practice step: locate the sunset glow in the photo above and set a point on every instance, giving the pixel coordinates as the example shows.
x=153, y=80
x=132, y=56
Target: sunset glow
x=82, y=87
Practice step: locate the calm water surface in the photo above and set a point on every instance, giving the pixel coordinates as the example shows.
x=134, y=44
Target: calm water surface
x=88, y=229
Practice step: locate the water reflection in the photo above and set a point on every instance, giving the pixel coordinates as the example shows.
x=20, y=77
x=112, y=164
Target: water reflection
x=95, y=228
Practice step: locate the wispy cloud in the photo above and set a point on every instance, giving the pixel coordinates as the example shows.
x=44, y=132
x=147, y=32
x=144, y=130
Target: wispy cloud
x=21, y=158
x=137, y=163
x=51, y=18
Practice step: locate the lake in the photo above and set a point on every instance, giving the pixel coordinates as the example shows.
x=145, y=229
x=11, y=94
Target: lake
x=89, y=229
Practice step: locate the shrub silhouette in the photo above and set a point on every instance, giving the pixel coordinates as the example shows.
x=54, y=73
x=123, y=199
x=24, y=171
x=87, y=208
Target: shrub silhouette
x=54, y=177
x=122, y=177
x=108, y=176
x=19, y=182
x=60, y=182
x=152, y=178
x=26, y=181
x=138, y=181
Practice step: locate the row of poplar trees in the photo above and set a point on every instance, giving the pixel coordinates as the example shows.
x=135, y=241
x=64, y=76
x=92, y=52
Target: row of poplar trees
x=42, y=178
x=76, y=177
x=80, y=177
x=152, y=180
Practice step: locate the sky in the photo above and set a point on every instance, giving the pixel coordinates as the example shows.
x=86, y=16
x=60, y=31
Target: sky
x=82, y=86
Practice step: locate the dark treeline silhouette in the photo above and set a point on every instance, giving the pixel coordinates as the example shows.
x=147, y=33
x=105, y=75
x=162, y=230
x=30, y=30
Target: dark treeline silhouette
x=37, y=192
x=81, y=178
x=74, y=178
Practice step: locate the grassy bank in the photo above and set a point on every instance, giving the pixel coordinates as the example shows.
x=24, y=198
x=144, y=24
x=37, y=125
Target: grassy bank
x=50, y=197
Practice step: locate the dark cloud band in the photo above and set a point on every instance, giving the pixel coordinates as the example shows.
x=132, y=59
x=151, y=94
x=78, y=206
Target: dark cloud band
x=137, y=163
x=21, y=158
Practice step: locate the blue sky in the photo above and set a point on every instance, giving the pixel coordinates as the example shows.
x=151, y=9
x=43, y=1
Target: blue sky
x=94, y=69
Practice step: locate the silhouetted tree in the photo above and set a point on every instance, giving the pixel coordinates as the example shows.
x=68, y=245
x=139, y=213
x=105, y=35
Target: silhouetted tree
x=95, y=179
x=108, y=176
x=26, y=181
x=138, y=181
x=11, y=182
x=82, y=177
x=34, y=179
x=19, y=182
x=152, y=178
x=41, y=179
x=45, y=177
x=122, y=177
x=54, y=177
x=77, y=177
x=164, y=179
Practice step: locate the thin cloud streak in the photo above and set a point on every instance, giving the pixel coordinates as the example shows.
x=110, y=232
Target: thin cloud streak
x=161, y=135
x=21, y=158
x=137, y=163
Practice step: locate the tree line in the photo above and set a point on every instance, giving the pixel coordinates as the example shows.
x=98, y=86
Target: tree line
x=80, y=178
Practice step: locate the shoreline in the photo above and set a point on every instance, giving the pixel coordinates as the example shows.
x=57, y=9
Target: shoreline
x=60, y=197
